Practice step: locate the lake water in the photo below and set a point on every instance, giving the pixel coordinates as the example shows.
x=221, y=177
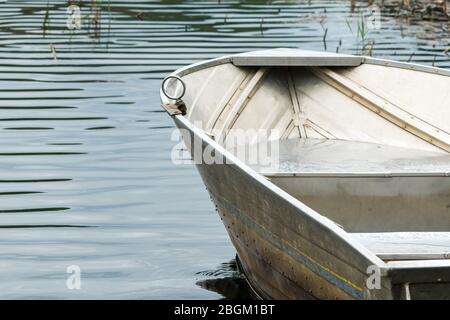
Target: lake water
x=86, y=176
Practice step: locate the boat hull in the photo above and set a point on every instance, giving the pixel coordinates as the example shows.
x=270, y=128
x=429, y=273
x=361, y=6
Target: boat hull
x=290, y=247
x=284, y=253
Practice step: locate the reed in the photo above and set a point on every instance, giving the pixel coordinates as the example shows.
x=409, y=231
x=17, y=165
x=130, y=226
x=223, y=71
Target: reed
x=46, y=22
x=261, y=24
x=361, y=35
x=324, y=39
x=447, y=52
x=91, y=22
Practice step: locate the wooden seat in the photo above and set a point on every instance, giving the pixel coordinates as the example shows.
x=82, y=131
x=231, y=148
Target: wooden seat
x=407, y=245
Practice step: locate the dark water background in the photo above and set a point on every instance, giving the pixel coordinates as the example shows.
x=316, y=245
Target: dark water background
x=85, y=172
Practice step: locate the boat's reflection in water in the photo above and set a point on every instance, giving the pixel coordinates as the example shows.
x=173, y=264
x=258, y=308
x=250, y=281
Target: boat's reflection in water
x=227, y=281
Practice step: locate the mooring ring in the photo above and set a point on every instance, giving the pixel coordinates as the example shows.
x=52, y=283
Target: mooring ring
x=164, y=89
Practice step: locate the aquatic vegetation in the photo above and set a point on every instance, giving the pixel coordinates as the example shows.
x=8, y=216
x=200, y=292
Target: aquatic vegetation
x=53, y=50
x=46, y=22
x=96, y=20
x=426, y=19
x=91, y=22
x=418, y=9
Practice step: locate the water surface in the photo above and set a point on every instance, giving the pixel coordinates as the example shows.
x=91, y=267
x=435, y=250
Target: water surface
x=85, y=172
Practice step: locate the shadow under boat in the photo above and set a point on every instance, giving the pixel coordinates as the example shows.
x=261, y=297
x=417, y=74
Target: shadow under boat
x=228, y=281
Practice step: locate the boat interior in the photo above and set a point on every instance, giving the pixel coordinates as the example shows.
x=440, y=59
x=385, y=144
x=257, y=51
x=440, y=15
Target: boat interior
x=366, y=146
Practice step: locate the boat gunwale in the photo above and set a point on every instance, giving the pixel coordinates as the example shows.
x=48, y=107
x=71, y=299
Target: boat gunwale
x=406, y=65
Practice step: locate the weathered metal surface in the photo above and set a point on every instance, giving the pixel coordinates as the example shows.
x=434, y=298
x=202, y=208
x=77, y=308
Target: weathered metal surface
x=174, y=109
x=262, y=221
x=375, y=204
x=386, y=109
x=242, y=100
x=294, y=57
x=407, y=245
x=419, y=271
x=423, y=291
x=311, y=157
